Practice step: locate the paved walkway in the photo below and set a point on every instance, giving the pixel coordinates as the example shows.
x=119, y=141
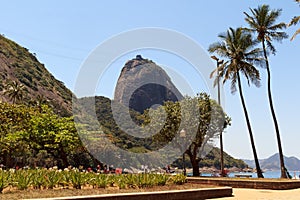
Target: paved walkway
x=253, y=194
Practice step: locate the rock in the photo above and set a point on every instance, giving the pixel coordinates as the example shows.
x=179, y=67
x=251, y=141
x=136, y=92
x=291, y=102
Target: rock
x=143, y=84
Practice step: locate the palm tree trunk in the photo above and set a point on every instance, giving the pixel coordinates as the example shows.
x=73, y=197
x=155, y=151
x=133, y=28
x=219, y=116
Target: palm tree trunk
x=222, y=155
x=282, y=167
x=258, y=169
x=221, y=132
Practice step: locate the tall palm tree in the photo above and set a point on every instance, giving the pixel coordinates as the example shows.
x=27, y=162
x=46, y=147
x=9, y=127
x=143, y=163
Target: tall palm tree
x=262, y=21
x=15, y=91
x=295, y=21
x=237, y=47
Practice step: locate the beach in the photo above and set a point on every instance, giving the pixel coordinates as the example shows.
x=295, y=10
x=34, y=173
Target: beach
x=254, y=194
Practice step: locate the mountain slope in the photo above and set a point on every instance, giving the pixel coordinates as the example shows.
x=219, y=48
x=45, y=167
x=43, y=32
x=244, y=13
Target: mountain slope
x=272, y=163
x=19, y=65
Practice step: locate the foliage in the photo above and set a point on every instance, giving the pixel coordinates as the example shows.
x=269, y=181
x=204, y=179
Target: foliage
x=179, y=179
x=295, y=21
x=5, y=180
x=15, y=91
x=200, y=117
x=22, y=179
x=238, y=48
x=29, y=133
x=263, y=23
x=53, y=178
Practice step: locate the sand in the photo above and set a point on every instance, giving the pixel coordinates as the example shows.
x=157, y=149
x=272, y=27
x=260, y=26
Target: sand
x=253, y=194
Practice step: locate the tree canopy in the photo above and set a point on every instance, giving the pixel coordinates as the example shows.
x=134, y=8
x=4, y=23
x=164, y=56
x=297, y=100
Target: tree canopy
x=31, y=132
x=200, y=117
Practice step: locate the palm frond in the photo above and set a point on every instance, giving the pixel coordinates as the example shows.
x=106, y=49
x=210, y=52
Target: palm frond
x=294, y=21
x=295, y=34
x=237, y=46
x=271, y=47
x=279, y=26
x=264, y=19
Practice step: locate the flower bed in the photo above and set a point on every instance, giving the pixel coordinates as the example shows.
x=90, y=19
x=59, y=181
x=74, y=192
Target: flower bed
x=74, y=179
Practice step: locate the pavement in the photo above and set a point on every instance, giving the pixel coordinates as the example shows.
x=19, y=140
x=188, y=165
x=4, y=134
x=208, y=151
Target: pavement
x=256, y=194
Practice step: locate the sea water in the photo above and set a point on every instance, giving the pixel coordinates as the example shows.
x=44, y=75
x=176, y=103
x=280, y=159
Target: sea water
x=267, y=174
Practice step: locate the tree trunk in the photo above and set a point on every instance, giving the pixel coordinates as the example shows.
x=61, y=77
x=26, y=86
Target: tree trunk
x=282, y=167
x=222, y=157
x=195, y=164
x=64, y=157
x=258, y=169
x=221, y=132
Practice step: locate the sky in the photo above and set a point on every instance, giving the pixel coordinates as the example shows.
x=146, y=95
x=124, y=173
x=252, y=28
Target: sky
x=64, y=33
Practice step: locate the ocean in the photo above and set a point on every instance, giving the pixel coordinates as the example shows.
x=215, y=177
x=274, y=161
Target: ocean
x=267, y=174
x=270, y=174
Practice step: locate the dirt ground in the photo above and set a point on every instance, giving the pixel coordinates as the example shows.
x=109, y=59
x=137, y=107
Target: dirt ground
x=253, y=194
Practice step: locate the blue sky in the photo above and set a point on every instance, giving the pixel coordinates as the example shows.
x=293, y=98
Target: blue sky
x=63, y=33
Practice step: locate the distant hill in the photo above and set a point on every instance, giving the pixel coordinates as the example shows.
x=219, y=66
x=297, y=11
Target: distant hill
x=19, y=65
x=272, y=163
x=213, y=159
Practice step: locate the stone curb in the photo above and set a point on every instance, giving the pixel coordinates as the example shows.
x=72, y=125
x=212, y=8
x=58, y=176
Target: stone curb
x=248, y=183
x=191, y=194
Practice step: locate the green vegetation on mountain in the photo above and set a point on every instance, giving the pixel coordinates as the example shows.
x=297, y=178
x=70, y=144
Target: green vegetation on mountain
x=19, y=67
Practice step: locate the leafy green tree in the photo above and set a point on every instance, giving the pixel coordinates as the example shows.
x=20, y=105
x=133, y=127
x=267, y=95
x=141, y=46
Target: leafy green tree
x=238, y=48
x=48, y=131
x=13, y=119
x=27, y=133
x=200, y=114
x=295, y=21
x=262, y=21
x=15, y=91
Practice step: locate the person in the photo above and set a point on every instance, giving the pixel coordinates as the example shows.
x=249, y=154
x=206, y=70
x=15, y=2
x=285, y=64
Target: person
x=105, y=169
x=98, y=168
x=168, y=169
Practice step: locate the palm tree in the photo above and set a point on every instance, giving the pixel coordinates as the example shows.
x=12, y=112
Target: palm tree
x=295, y=21
x=263, y=23
x=15, y=91
x=237, y=47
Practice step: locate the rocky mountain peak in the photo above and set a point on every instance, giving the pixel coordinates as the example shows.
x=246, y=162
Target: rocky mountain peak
x=143, y=84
